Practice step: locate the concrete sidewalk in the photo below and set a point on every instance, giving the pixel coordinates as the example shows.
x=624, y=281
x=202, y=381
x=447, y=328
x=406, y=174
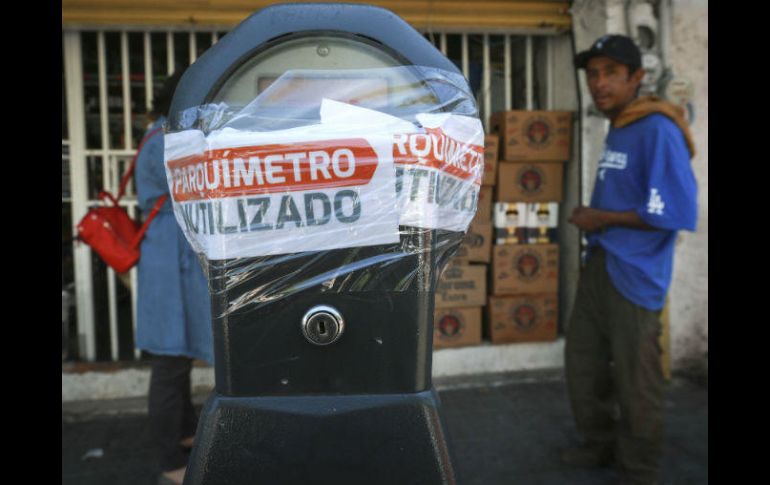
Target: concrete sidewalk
x=503, y=429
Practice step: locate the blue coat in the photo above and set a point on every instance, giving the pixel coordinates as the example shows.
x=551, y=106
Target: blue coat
x=173, y=307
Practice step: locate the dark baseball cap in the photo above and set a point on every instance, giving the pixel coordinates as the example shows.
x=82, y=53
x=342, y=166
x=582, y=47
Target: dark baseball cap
x=617, y=47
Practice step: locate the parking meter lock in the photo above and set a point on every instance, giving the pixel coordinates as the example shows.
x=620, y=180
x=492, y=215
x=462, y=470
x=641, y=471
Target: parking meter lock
x=322, y=325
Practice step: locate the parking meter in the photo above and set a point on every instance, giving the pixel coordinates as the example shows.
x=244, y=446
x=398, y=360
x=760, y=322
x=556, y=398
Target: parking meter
x=325, y=161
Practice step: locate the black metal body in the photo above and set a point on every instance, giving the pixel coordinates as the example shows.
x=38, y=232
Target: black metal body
x=360, y=410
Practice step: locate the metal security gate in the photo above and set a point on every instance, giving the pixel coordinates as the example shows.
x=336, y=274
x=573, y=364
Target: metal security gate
x=108, y=81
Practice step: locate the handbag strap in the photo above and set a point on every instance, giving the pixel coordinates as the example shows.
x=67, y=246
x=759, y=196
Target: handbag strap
x=154, y=212
x=130, y=171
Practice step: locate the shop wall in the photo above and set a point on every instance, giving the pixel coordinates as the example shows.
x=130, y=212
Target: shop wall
x=689, y=291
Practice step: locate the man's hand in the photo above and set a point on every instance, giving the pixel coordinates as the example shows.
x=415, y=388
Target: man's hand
x=587, y=219
x=590, y=220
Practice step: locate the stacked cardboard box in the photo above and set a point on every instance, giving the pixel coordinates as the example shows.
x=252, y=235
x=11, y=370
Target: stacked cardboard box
x=512, y=242
x=524, y=278
x=460, y=295
x=462, y=289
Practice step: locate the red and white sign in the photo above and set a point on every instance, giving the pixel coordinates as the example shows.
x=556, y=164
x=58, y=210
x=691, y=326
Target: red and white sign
x=439, y=172
x=348, y=181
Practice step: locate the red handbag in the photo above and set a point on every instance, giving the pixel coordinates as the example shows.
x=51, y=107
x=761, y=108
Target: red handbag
x=110, y=231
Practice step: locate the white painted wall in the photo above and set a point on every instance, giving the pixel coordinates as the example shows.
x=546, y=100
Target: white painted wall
x=688, y=298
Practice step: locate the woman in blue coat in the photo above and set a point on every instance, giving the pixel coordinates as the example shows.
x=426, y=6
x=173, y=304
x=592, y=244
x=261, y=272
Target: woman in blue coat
x=173, y=309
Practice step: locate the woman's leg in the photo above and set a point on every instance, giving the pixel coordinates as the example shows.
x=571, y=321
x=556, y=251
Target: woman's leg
x=168, y=397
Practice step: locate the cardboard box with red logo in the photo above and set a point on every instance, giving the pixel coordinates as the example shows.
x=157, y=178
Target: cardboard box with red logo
x=484, y=205
x=477, y=244
x=529, y=182
x=525, y=268
x=462, y=286
x=456, y=327
x=523, y=318
x=533, y=135
x=491, y=149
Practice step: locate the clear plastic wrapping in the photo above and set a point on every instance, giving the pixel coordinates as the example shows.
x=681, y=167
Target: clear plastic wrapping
x=351, y=180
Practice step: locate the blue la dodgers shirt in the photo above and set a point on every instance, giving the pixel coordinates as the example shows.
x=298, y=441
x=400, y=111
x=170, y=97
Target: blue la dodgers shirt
x=645, y=168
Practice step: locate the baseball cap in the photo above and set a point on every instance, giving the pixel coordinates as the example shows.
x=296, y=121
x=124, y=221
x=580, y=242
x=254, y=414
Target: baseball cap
x=617, y=47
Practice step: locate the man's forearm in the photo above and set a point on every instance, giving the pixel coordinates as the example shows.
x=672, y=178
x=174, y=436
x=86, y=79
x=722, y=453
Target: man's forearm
x=626, y=219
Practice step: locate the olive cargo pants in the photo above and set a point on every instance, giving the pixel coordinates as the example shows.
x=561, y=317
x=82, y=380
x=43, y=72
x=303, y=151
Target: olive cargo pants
x=614, y=373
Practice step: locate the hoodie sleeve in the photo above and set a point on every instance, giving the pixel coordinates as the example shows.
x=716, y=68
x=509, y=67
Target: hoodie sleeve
x=671, y=189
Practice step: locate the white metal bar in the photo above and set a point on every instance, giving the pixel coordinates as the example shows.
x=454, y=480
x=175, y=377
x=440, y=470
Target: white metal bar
x=73, y=71
x=113, y=310
x=507, y=74
x=193, y=47
x=116, y=152
x=528, y=67
x=148, y=92
x=465, y=55
x=443, y=43
x=169, y=53
x=127, y=131
x=104, y=116
x=122, y=167
x=486, y=81
x=549, y=72
x=214, y=37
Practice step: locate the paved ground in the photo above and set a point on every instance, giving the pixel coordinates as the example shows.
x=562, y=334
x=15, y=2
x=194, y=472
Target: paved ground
x=503, y=429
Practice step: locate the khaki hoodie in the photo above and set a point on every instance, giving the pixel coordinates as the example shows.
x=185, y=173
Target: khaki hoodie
x=647, y=105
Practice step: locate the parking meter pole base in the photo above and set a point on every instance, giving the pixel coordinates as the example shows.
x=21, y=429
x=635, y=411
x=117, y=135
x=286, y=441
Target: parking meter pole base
x=368, y=438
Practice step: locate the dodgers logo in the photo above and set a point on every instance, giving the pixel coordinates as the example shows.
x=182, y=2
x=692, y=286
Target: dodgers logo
x=612, y=160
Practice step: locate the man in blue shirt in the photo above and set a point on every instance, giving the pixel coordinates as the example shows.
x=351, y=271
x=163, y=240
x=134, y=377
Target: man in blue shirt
x=645, y=191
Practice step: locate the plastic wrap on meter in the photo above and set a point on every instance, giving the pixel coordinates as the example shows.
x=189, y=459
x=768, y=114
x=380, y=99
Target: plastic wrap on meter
x=384, y=164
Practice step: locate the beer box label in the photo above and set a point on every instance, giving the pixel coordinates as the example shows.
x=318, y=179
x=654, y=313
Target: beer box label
x=542, y=221
x=511, y=235
x=542, y=235
x=461, y=286
x=526, y=318
x=511, y=214
x=542, y=214
x=534, y=135
x=456, y=327
x=530, y=182
x=525, y=268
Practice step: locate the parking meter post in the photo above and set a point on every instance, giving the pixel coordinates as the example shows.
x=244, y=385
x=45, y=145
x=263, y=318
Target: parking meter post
x=323, y=337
